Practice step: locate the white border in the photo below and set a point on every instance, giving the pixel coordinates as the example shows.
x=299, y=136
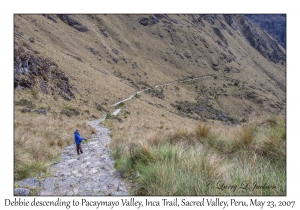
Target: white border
x=141, y=7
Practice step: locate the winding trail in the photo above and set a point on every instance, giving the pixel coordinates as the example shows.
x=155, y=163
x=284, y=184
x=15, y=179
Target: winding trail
x=91, y=173
x=161, y=85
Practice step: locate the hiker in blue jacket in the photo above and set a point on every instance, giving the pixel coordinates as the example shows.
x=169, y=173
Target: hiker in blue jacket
x=78, y=139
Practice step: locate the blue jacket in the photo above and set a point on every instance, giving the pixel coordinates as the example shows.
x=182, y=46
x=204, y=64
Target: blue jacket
x=77, y=137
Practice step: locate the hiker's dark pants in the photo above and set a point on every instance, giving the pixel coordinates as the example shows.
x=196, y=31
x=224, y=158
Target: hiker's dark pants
x=79, y=149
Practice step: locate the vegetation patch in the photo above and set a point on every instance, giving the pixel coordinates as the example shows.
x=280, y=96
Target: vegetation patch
x=203, y=131
x=180, y=160
x=24, y=102
x=69, y=111
x=100, y=107
x=112, y=117
x=192, y=162
x=203, y=110
x=120, y=105
x=38, y=141
x=156, y=93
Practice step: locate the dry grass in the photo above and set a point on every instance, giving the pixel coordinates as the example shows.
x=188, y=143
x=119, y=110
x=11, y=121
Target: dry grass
x=176, y=163
x=96, y=78
x=38, y=141
x=203, y=131
x=93, y=78
x=274, y=144
x=244, y=137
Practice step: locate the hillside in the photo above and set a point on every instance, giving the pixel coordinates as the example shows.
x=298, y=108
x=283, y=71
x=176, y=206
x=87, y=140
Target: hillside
x=133, y=52
x=273, y=24
x=221, y=70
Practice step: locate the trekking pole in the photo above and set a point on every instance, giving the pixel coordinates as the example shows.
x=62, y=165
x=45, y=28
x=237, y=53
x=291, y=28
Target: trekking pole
x=88, y=145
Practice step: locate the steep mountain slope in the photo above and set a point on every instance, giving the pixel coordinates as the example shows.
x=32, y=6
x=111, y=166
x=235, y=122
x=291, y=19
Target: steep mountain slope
x=91, y=60
x=275, y=25
x=182, y=73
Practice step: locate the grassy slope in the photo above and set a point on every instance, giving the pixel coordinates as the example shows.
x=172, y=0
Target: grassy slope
x=155, y=53
x=147, y=56
x=206, y=160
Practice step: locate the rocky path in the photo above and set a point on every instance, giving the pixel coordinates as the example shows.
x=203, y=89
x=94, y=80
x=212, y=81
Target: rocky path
x=91, y=173
x=161, y=85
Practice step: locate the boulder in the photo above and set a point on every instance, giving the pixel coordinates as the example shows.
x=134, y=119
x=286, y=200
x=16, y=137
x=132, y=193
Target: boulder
x=21, y=192
x=25, y=109
x=31, y=183
x=41, y=111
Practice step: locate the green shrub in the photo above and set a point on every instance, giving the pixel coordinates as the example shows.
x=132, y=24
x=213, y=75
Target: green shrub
x=100, y=108
x=24, y=102
x=108, y=116
x=69, y=111
x=119, y=105
x=236, y=82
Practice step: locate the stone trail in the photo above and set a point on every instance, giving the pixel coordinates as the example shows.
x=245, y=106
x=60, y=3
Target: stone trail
x=161, y=85
x=91, y=173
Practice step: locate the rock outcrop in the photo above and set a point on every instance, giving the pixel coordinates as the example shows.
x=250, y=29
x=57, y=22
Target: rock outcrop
x=32, y=71
x=259, y=40
x=275, y=25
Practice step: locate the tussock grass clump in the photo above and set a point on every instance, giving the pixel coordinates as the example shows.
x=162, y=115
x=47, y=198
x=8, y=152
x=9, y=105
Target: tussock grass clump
x=156, y=139
x=272, y=148
x=244, y=137
x=31, y=169
x=179, y=136
x=140, y=153
x=274, y=145
x=212, y=166
x=202, y=131
x=177, y=173
x=177, y=163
